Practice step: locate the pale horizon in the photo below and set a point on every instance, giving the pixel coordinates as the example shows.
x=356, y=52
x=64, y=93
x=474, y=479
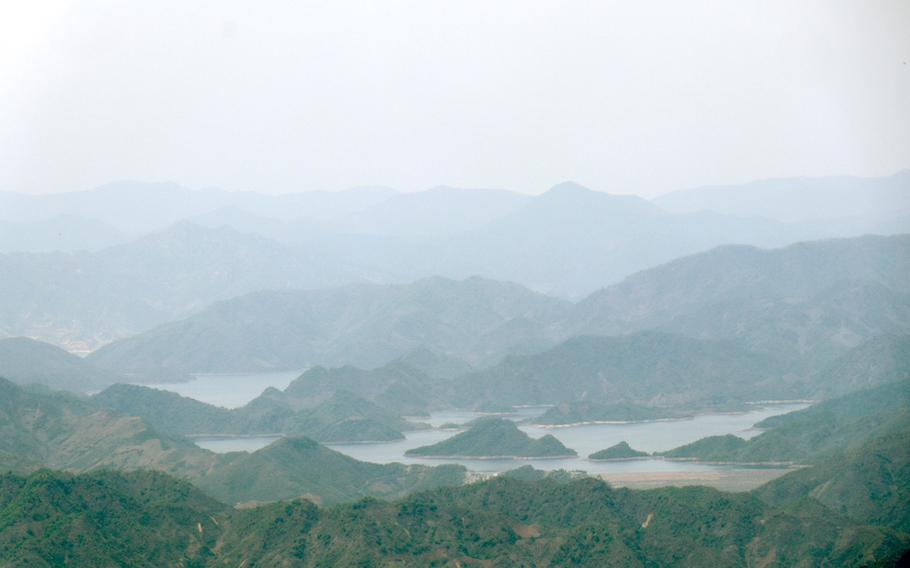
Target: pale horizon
x=623, y=98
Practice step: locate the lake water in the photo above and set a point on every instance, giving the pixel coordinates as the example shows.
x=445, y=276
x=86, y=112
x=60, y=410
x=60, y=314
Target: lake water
x=585, y=439
x=230, y=390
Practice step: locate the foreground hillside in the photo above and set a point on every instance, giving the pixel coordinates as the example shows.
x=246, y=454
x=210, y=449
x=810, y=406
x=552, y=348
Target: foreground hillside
x=143, y=519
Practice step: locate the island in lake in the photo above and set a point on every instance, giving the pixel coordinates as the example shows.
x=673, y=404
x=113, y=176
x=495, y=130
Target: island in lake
x=620, y=451
x=494, y=437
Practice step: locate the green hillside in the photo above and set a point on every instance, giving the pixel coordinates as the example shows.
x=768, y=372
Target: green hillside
x=879, y=361
x=58, y=430
x=870, y=484
x=141, y=519
x=839, y=513
x=646, y=367
x=494, y=437
x=299, y=467
x=341, y=417
x=620, y=451
x=397, y=386
x=814, y=433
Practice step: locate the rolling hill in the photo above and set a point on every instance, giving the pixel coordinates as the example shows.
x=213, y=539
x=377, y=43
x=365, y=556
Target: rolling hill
x=650, y=368
x=342, y=417
x=806, y=303
x=494, y=438
x=291, y=468
x=815, y=433
x=145, y=519
x=27, y=361
x=59, y=431
x=364, y=325
x=620, y=451
x=799, y=308
x=569, y=242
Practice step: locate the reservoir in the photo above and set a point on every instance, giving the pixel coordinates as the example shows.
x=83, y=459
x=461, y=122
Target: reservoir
x=236, y=389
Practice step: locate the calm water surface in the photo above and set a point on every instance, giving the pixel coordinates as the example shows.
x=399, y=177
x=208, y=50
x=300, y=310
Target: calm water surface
x=585, y=439
x=230, y=390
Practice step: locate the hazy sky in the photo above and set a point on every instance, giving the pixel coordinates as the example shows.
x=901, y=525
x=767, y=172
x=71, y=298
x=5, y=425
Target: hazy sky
x=629, y=97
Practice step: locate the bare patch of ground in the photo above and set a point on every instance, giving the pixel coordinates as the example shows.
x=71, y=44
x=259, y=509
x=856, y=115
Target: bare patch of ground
x=724, y=480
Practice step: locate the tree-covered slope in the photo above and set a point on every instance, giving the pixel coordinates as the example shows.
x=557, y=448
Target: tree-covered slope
x=165, y=410
x=57, y=430
x=870, y=484
x=395, y=386
x=147, y=519
x=814, y=433
x=881, y=360
x=299, y=467
x=645, y=367
x=342, y=417
x=494, y=437
x=507, y=522
x=142, y=519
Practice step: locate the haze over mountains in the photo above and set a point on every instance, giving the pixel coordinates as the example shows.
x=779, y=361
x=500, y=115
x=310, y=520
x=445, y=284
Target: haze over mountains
x=802, y=305
x=404, y=305
x=174, y=251
x=801, y=199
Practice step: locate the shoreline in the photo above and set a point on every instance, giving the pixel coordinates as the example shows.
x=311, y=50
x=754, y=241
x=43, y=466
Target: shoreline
x=492, y=458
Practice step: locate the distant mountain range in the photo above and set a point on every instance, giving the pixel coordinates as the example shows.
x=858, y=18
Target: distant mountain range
x=775, y=318
x=804, y=303
x=801, y=199
x=364, y=324
x=190, y=248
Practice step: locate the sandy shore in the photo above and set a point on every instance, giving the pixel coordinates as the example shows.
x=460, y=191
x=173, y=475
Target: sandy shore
x=726, y=480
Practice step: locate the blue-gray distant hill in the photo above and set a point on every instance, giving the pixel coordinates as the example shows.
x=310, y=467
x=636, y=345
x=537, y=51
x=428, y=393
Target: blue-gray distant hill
x=796, y=308
x=566, y=242
x=60, y=233
x=805, y=303
x=651, y=368
x=81, y=300
x=26, y=361
x=364, y=325
x=845, y=199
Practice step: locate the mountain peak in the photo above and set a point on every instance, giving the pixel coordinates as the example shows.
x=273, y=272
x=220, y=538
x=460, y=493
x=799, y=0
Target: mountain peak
x=569, y=188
